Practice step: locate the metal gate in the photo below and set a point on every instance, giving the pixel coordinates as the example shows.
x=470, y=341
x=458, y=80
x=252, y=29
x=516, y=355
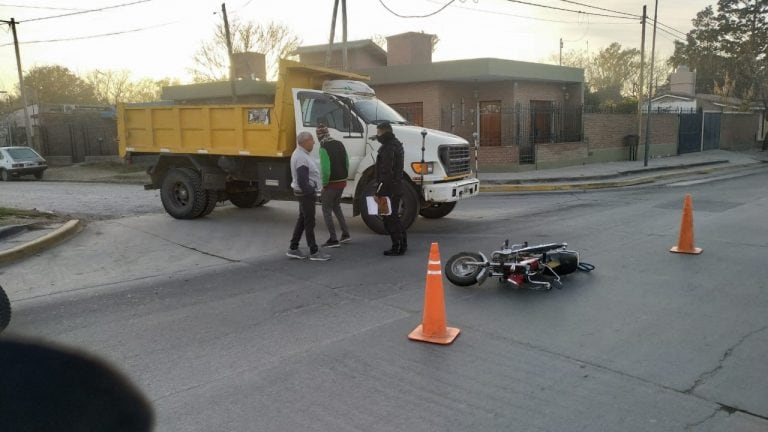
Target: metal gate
x=689, y=133
x=711, y=138
x=78, y=140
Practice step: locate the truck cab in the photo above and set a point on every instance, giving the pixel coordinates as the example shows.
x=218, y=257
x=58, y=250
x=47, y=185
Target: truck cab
x=437, y=164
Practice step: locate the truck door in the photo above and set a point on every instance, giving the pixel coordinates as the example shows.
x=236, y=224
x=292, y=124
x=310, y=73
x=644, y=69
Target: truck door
x=314, y=107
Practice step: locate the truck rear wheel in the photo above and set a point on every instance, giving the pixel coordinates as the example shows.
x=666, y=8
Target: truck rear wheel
x=248, y=199
x=211, y=200
x=5, y=310
x=182, y=193
x=438, y=210
x=409, y=206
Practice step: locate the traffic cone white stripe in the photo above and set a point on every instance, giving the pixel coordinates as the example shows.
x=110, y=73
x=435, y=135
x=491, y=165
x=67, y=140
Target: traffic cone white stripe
x=434, y=272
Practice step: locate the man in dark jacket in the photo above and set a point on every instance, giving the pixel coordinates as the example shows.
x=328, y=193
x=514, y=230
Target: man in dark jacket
x=334, y=167
x=389, y=174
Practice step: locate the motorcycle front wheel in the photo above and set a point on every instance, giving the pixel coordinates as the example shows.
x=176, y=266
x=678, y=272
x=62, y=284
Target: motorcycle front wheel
x=460, y=272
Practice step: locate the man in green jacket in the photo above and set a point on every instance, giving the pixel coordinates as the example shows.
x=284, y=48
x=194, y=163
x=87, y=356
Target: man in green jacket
x=334, y=167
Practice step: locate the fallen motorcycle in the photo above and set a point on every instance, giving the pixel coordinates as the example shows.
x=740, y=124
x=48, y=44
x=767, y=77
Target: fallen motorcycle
x=519, y=266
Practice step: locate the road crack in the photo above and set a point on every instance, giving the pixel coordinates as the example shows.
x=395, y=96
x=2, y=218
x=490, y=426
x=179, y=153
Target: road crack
x=712, y=372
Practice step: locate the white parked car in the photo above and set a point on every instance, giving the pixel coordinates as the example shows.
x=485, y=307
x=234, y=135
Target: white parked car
x=19, y=161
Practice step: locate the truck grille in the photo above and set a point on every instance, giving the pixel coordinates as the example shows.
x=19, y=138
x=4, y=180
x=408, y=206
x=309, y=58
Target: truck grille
x=455, y=159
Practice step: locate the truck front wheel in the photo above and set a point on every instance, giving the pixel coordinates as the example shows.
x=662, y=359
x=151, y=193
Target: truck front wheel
x=182, y=193
x=437, y=210
x=248, y=199
x=409, y=208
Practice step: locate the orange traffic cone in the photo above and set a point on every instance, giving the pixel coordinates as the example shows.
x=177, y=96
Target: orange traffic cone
x=685, y=241
x=432, y=328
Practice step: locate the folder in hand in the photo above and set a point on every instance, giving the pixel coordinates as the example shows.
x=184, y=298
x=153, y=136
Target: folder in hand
x=379, y=205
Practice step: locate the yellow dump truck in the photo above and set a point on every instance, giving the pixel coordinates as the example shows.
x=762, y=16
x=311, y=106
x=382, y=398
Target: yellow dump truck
x=240, y=152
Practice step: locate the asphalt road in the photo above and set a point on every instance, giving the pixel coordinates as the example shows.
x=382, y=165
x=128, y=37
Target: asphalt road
x=223, y=332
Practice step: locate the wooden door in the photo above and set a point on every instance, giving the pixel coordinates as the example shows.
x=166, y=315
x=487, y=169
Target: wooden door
x=541, y=121
x=490, y=123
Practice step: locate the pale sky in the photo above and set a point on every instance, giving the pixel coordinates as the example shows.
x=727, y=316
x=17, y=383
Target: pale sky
x=171, y=30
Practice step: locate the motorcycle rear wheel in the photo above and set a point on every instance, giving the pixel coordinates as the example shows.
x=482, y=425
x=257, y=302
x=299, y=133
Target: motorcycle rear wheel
x=459, y=272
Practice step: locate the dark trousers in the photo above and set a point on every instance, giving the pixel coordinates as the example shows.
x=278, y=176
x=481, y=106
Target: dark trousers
x=305, y=224
x=332, y=206
x=392, y=222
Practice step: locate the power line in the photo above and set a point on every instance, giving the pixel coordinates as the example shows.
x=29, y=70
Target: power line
x=677, y=38
x=39, y=7
x=671, y=28
x=86, y=11
x=416, y=16
x=569, y=10
x=525, y=16
x=95, y=36
x=602, y=9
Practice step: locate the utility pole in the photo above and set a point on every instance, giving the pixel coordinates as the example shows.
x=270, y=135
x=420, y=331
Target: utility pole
x=650, y=87
x=27, y=126
x=561, y=51
x=344, y=65
x=229, y=51
x=642, y=84
x=333, y=34
x=329, y=50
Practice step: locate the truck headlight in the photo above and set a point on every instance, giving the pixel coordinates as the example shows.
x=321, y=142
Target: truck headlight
x=423, y=168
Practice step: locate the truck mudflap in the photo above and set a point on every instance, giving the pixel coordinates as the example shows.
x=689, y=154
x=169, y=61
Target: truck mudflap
x=452, y=191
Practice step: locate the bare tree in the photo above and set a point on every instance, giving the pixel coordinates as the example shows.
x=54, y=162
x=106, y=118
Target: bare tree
x=275, y=41
x=113, y=86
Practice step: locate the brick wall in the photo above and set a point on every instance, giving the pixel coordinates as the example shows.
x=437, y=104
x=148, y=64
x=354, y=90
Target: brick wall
x=356, y=59
x=409, y=48
x=738, y=131
x=498, y=157
x=556, y=153
x=605, y=135
x=428, y=93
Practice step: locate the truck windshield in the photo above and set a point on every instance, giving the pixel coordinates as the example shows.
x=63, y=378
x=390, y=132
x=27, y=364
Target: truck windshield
x=374, y=111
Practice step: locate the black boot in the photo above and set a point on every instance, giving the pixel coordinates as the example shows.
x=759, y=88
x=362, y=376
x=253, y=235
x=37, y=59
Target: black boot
x=395, y=251
x=404, y=244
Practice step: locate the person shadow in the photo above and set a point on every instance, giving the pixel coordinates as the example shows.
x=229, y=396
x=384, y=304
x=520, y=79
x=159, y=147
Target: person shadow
x=45, y=387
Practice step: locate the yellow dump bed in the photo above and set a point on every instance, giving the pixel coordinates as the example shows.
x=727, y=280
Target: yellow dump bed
x=245, y=130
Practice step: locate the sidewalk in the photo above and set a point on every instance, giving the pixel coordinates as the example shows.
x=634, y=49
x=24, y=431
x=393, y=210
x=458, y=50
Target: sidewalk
x=19, y=242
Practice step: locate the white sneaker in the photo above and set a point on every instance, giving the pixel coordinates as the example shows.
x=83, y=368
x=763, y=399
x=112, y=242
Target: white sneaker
x=319, y=256
x=296, y=254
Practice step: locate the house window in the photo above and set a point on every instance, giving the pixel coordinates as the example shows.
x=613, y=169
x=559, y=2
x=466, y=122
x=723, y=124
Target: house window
x=412, y=111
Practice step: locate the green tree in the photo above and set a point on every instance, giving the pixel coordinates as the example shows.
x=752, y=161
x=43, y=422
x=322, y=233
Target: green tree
x=612, y=72
x=729, y=48
x=275, y=41
x=57, y=84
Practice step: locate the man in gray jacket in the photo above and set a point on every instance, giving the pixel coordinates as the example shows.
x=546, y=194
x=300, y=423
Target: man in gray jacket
x=307, y=185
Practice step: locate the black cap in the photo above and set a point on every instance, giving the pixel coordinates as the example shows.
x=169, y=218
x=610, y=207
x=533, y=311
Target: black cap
x=385, y=126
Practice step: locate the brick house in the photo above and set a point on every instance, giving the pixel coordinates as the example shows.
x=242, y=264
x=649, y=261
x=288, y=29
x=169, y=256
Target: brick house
x=510, y=106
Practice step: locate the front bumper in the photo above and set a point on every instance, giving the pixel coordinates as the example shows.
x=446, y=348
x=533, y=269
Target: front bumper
x=452, y=191
x=29, y=170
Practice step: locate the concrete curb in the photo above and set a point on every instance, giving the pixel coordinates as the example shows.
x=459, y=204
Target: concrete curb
x=601, y=177
x=571, y=186
x=62, y=233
